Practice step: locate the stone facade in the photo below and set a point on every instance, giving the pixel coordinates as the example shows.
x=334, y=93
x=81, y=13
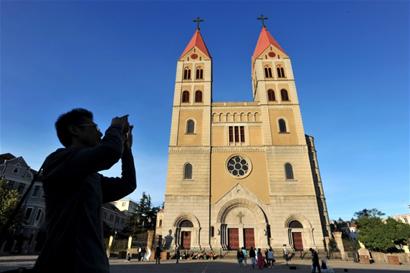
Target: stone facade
x=241, y=173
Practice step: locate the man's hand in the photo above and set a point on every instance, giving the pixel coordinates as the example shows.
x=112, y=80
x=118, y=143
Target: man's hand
x=128, y=138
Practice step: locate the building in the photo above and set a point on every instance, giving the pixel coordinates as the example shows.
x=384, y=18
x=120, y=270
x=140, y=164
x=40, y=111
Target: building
x=241, y=173
x=404, y=218
x=18, y=175
x=126, y=205
x=115, y=219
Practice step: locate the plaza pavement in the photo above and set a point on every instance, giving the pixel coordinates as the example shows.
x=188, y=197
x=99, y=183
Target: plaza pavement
x=217, y=266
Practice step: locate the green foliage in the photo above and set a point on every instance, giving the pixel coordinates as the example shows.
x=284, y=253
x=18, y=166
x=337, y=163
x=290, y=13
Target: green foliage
x=384, y=236
x=145, y=215
x=8, y=201
x=369, y=213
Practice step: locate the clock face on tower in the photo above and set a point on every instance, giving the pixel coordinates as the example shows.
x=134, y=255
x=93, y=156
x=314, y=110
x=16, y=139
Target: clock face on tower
x=238, y=166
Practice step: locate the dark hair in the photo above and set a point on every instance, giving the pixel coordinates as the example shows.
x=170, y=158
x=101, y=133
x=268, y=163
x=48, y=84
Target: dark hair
x=74, y=117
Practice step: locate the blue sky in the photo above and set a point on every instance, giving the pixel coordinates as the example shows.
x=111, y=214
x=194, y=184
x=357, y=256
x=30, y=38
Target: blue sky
x=350, y=60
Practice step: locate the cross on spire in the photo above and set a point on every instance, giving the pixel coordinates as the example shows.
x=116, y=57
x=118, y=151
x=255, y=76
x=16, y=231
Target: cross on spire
x=198, y=20
x=262, y=18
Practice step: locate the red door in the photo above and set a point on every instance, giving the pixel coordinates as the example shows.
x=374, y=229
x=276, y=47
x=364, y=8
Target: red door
x=186, y=239
x=233, y=238
x=297, y=240
x=248, y=238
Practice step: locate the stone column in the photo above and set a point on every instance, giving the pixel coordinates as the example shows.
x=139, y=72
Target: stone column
x=339, y=242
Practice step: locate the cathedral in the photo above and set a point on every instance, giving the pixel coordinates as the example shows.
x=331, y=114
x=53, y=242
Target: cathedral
x=241, y=173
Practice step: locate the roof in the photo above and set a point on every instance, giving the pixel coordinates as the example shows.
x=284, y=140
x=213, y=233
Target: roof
x=6, y=156
x=264, y=41
x=198, y=42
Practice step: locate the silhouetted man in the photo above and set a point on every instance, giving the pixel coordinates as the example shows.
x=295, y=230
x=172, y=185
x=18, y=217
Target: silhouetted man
x=75, y=191
x=315, y=260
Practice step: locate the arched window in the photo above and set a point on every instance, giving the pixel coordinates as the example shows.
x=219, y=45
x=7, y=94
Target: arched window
x=185, y=96
x=190, y=126
x=288, y=171
x=198, y=96
x=186, y=223
x=281, y=71
x=295, y=224
x=199, y=73
x=268, y=72
x=187, y=171
x=187, y=73
x=284, y=95
x=282, y=126
x=271, y=95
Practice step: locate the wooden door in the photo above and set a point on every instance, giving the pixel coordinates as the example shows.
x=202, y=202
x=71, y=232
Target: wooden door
x=297, y=240
x=186, y=239
x=248, y=238
x=233, y=238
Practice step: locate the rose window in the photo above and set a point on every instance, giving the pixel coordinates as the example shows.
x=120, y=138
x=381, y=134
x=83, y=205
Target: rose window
x=238, y=166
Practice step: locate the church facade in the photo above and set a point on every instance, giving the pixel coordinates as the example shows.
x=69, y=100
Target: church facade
x=241, y=173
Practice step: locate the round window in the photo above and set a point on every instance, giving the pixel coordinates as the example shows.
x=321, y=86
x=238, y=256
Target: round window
x=238, y=166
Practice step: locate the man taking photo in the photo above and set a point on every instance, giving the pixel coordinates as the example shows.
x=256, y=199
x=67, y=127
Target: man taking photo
x=75, y=191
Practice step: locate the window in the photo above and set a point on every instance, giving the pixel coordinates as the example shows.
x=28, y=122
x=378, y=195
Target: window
x=268, y=72
x=271, y=95
x=199, y=73
x=38, y=217
x=187, y=73
x=282, y=126
x=289, y=171
x=281, y=71
x=198, y=96
x=238, y=166
x=36, y=190
x=284, y=95
x=160, y=223
x=28, y=213
x=185, y=96
x=236, y=134
x=186, y=223
x=295, y=224
x=21, y=188
x=188, y=171
x=190, y=126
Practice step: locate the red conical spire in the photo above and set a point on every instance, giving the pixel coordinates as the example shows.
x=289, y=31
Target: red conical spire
x=196, y=41
x=264, y=41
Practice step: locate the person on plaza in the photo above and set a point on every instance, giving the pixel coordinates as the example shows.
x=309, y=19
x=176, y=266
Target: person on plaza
x=285, y=254
x=315, y=260
x=157, y=255
x=269, y=257
x=129, y=256
x=177, y=255
x=261, y=260
x=252, y=255
x=245, y=256
x=239, y=257
x=75, y=191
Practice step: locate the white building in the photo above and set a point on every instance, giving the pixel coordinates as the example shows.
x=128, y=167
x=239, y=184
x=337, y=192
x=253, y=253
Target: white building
x=18, y=175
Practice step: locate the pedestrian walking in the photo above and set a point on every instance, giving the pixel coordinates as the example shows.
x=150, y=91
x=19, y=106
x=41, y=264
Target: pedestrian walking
x=261, y=261
x=252, y=255
x=177, y=255
x=269, y=257
x=158, y=255
x=239, y=256
x=315, y=260
x=285, y=254
x=245, y=256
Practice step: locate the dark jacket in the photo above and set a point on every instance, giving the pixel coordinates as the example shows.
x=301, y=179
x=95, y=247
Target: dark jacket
x=74, y=194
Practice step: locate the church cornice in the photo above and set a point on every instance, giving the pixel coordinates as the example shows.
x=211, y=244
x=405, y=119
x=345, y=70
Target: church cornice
x=189, y=149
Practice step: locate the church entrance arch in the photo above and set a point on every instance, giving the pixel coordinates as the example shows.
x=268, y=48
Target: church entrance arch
x=187, y=232
x=242, y=223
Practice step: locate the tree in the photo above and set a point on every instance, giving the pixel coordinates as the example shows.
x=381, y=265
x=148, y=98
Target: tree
x=145, y=215
x=379, y=235
x=8, y=201
x=369, y=213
